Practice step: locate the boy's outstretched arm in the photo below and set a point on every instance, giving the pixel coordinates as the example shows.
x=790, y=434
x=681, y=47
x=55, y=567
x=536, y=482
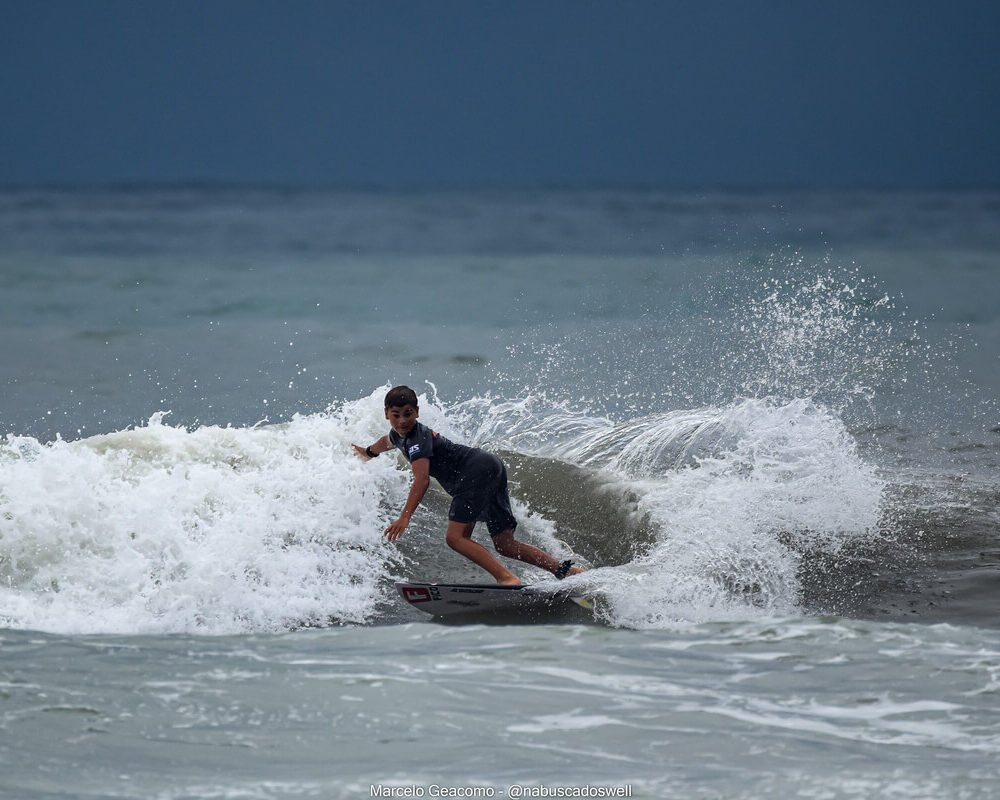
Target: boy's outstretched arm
x=383, y=445
x=421, y=480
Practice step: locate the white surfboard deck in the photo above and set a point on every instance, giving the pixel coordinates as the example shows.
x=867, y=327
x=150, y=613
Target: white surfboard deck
x=439, y=599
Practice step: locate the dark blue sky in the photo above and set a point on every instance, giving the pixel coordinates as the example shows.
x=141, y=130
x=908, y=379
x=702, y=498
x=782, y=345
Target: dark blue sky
x=430, y=93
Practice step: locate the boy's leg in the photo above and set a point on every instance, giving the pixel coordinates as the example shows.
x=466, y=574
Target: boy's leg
x=508, y=546
x=459, y=539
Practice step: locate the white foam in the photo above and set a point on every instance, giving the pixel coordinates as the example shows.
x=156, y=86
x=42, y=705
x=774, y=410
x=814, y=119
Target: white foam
x=218, y=530
x=735, y=496
x=563, y=722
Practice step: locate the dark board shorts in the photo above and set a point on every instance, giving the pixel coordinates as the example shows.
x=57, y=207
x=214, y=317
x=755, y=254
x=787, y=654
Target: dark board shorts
x=482, y=495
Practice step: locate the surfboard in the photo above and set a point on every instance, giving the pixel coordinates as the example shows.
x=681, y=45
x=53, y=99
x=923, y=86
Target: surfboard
x=440, y=599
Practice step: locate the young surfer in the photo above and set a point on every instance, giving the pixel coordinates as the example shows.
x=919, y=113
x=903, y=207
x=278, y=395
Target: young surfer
x=476, y=481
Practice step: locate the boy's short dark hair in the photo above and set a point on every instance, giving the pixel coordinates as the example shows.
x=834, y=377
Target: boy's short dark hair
x=400, y=396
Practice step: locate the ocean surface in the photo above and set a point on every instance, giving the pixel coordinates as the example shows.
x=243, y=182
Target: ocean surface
x=767, y=421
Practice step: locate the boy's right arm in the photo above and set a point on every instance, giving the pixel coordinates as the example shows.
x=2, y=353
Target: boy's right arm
x=383, y=445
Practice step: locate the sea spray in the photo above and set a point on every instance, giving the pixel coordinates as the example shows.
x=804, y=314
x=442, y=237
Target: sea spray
x=775, y=325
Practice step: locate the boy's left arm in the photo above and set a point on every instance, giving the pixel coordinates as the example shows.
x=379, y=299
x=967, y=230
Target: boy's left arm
x=421, y=480
x=383, y=445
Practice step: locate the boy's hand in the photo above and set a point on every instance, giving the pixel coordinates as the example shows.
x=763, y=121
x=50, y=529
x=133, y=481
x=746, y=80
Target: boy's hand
x=394, y=531
x=360, y=453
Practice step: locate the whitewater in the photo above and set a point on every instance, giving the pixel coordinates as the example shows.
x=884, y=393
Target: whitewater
x=159, y=529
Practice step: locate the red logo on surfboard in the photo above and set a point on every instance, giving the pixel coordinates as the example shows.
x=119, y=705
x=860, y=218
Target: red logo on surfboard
x=416, y=594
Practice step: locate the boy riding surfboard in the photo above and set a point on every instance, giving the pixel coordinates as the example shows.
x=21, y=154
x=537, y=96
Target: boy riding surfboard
x=476, y=481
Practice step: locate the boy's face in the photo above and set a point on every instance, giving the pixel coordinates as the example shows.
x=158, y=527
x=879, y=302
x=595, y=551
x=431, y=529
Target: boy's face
x=402, y=418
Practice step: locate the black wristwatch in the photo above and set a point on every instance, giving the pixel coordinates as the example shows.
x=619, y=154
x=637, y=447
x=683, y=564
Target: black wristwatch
x=368, y=450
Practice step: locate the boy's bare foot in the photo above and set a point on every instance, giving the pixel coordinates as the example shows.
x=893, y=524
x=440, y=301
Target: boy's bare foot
x=575, y=571
x=513, y=580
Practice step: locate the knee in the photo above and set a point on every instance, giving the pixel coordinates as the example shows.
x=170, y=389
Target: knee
x=506, y=544
x=456, y=533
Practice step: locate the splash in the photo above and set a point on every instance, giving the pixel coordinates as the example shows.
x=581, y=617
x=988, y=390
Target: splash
x=776, y=327
x=825, y=338
x=736, y=498
x=212, y=530
x=727, y=432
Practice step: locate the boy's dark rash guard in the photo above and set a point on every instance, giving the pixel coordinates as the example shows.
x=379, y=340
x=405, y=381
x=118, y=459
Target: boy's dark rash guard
x=475, y=479
x=449, y=462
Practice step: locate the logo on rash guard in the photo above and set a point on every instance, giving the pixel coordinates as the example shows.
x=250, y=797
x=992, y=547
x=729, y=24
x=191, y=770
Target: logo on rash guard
x=413, y=449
